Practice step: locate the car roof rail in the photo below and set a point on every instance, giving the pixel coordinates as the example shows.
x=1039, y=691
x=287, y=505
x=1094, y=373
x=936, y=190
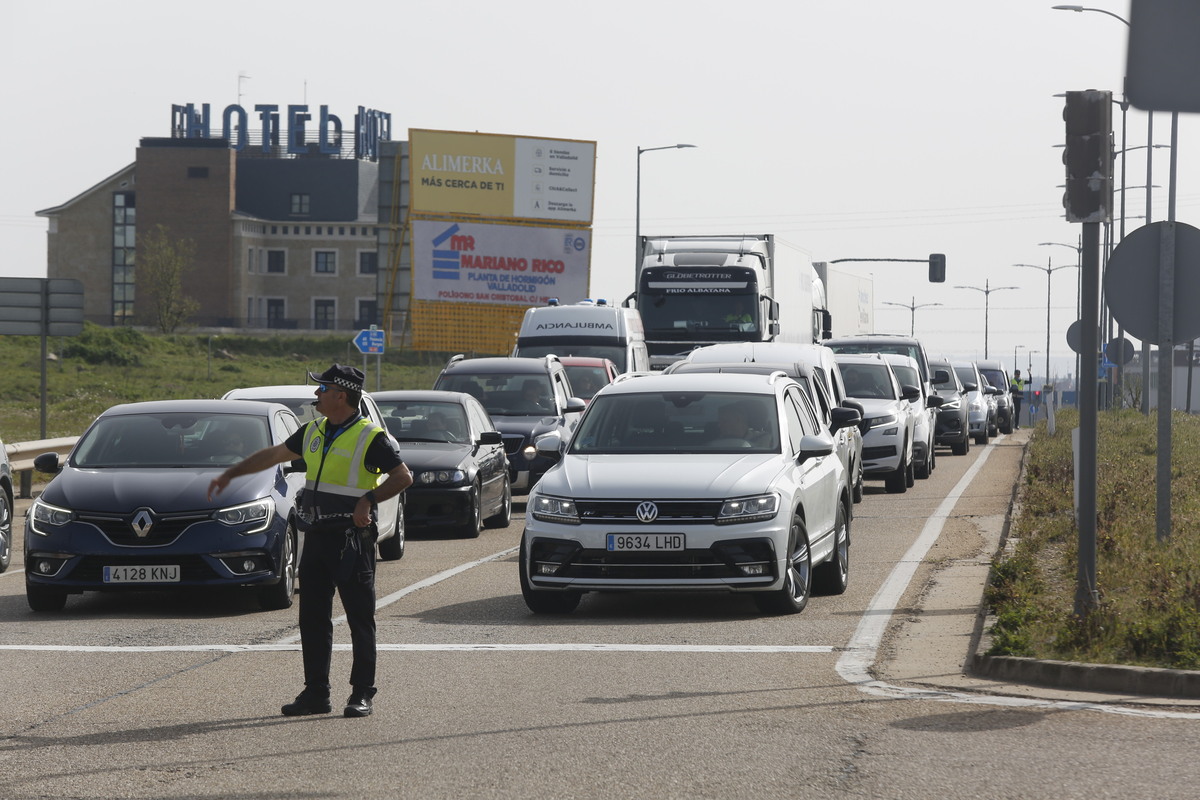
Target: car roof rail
x=454, y=360
x=550, y=358
x=775, y=376
x=624, y=376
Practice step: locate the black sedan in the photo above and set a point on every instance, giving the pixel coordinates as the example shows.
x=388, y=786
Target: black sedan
x=128, y=510
x=460, y=472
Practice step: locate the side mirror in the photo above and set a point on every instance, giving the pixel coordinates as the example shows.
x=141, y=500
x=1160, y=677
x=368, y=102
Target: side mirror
x=550, y=445
x=910, y=392
x=47, y=463
x=491, y=437
x=934, y=401
x=815, y=446
x=845, y=417
x=574, y=405
x=971, y=387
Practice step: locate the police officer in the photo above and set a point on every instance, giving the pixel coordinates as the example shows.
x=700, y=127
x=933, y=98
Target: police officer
x=1017, y=390
x=351, y=465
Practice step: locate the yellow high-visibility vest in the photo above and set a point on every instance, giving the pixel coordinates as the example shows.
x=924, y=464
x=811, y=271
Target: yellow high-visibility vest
x=341, y=471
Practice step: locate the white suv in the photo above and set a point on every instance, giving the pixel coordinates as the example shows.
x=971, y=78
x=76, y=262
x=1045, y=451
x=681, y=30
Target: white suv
x=692, y=482
x=888, y=441
x=924, y=408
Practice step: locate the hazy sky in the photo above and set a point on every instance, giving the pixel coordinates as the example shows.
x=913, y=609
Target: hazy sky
x=866, y=129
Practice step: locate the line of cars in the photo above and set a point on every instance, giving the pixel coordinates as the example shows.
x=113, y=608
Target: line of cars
x=735, y=470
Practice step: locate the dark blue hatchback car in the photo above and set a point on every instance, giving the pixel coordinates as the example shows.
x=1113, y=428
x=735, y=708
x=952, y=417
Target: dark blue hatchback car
x=128, y=510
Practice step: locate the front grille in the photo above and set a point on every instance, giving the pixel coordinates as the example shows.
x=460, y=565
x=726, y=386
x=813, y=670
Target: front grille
x=513, y=444
x=875, y=453
x=678, y=512
x=192, y=569
x=164, y=529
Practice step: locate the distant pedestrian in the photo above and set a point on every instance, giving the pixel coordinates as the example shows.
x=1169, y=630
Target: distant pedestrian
x=1017, y=390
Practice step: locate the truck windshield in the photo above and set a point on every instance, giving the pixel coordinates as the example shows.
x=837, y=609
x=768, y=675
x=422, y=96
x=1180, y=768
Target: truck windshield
x=714, y=314
x=565, y=347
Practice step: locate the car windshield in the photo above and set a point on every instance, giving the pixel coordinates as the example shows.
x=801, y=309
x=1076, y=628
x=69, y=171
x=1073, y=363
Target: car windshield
x=868, y=381
x=170, y=440
x=967, y=375
x=679, y=422
x=585, y=381
x=995, y=377
x=907, y=376
x=425, y=421
x=506, y=395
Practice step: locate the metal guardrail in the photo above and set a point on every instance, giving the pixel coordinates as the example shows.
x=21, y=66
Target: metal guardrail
x=22, y=454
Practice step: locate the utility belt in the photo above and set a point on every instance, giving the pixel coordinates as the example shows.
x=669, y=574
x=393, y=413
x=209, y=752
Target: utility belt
x=335, y=524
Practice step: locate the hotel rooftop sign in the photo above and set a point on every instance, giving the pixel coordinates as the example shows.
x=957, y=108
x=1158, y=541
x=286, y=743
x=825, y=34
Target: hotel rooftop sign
x=288, y=132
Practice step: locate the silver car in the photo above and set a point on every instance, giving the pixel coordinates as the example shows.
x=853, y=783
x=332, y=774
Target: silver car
x=702, y=482
x=924, y=410
x=888, y=442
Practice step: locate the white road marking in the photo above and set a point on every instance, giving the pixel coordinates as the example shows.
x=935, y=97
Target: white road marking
x=431, y=648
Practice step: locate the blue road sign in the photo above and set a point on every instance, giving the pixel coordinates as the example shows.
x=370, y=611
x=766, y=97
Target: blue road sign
x=369, y=341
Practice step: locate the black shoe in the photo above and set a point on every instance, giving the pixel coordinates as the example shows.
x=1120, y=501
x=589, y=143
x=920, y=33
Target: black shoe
x=305, y=704
x=359, y=703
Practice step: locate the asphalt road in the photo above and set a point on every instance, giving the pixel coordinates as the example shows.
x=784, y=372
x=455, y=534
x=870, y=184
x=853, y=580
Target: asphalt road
x=656, y=696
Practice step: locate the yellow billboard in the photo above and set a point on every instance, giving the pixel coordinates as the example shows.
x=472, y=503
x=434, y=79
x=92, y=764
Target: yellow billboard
x=499, y=176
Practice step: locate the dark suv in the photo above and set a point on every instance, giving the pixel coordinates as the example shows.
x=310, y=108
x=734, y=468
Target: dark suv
x=526, y=398
x=953, y=427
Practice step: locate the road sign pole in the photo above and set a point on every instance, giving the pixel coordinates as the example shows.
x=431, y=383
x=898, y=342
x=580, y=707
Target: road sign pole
x=1166, y=366
x=1086, y=597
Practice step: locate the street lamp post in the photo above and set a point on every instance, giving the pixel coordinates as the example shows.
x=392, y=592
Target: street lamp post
x=987, y=291
x=913, y=306
x=1017, y=347
x=637, y=223
x=1048, y=270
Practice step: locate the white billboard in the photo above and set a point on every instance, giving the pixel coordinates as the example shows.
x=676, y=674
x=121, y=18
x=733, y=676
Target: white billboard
x=475, y=262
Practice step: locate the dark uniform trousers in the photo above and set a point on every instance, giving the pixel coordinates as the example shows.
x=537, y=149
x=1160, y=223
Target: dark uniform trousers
x=329, y=563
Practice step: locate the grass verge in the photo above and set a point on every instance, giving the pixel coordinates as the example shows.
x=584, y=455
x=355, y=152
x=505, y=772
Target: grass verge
x=1149, y=609
x=102, y=367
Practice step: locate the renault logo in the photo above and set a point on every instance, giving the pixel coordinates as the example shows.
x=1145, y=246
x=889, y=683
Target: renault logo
x=142, y=523
x=647, y=512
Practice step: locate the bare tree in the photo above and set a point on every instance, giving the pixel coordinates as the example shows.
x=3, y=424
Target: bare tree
x=162, y=263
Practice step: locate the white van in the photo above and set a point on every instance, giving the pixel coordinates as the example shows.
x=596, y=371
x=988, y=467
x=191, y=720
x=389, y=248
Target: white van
x=588, y=328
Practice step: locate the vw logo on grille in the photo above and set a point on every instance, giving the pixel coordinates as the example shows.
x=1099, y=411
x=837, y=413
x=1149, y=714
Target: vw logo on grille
x=142, y=523
x=647, y=512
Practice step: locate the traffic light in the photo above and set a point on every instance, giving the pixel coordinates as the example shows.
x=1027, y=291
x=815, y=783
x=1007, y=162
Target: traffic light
x=1037, y=398
x=937, y=268
x=1088, y=156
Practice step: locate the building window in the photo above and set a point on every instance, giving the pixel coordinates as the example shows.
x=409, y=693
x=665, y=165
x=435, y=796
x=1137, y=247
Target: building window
x=368, y=262
x=324, y=314
x=325, y=262
x=124, y=238
x=197, y=172
x=276, y=262
x=299, y=204
x=367, y=310
x=276, y=312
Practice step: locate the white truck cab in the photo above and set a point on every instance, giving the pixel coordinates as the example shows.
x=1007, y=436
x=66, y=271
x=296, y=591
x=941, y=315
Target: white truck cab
x=588, y=328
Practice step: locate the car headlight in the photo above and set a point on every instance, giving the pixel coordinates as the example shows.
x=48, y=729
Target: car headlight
x=255, y=516
x=44, y=515
x=529, y=451
x=976, y=405
x=877, y=422
x=443, y=476
x=554, y=509
x=748, y=509
x=951, y=405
